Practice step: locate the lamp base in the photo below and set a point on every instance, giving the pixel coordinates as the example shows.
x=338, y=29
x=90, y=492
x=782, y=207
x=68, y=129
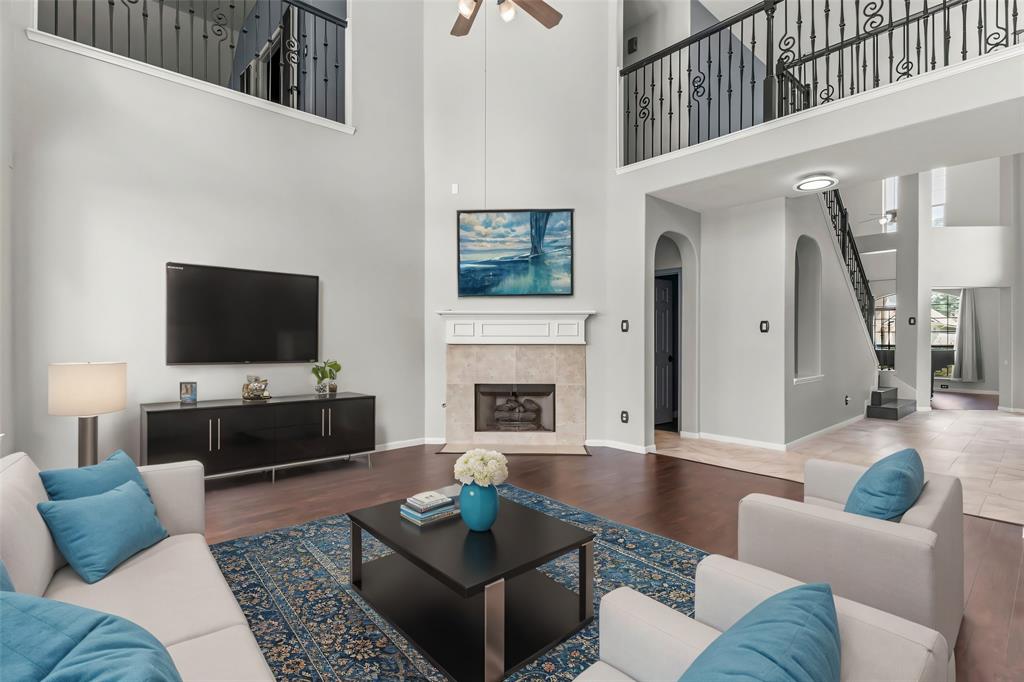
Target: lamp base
x=88, y=441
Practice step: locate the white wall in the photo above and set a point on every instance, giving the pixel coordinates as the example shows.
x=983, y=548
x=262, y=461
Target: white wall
x=119, y=172
x=516, y=115
x=848, y=363
x=972, y=194
x=743, y=281
x=6, y=260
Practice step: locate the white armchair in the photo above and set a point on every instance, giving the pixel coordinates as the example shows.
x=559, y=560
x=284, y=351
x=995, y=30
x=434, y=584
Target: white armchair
x=646, y=641
x=913, y=568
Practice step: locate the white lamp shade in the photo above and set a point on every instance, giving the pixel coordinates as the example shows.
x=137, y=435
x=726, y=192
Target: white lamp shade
x=85, y=389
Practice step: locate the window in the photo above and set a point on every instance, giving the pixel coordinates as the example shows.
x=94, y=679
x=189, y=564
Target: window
x=890, y=202
x=938, y=197
x=945, y=314
x=807, y=309
x=885, y=322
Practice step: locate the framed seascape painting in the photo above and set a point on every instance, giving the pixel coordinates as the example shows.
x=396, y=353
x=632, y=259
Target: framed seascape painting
x=515, y=253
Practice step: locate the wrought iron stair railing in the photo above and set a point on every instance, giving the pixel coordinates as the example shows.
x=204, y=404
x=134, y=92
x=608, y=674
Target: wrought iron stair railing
x=840, y=221
x=779, y=57
x=290, y=52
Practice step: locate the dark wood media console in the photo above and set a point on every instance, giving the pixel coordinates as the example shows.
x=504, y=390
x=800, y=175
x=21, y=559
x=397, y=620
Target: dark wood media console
x=233, y=436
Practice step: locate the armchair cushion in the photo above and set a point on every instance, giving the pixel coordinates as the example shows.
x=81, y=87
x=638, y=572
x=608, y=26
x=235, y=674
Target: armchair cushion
x=96, y=533
x=791, y=636
x=889, y=487
x=69, y=484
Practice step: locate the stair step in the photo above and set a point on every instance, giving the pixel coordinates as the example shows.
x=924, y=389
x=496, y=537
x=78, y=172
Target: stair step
x=894, y=409
x=883, y=396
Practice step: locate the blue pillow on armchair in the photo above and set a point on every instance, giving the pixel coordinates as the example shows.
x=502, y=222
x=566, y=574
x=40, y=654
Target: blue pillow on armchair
x=47, y=639
x=889, y=487
x=68, y=484
x=96, y=533
x=792, y=636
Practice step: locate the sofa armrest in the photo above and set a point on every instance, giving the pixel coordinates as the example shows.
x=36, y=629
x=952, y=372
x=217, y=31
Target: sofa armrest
x=876, y=645
x=179, y=494
x=832, y=481
x=647, y=640
x=883, y=564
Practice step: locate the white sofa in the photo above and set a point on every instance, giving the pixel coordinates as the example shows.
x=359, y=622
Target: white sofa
x=174, y=589
x=913, y=568
x=646, y=641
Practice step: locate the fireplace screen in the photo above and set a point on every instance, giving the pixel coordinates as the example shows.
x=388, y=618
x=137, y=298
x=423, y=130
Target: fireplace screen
x=515, y=407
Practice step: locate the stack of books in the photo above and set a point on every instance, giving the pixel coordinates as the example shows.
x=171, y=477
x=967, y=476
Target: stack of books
x=429, y=507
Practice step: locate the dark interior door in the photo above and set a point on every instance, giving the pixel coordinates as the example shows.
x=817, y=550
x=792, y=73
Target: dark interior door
x=666, y=390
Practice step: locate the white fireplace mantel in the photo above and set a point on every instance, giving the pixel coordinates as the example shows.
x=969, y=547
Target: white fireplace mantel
x=515, y=327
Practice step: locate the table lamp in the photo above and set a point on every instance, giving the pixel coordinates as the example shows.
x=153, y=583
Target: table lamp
x=84, y=390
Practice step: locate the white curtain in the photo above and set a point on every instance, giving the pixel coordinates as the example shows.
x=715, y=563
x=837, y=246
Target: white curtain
x=965, y=357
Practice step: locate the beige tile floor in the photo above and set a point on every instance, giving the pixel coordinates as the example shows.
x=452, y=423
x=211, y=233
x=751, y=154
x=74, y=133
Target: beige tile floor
x=985, y=448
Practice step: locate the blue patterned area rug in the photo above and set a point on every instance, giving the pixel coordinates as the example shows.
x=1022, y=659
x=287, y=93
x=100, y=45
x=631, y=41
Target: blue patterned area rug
x=293, y=586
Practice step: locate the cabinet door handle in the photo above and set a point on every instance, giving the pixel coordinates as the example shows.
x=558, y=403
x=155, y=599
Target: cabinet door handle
x=330, y=418
x=209, y=435
x=322, y=413
x=218, y=433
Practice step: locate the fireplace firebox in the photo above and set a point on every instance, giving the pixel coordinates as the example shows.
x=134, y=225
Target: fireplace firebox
x=515, y=407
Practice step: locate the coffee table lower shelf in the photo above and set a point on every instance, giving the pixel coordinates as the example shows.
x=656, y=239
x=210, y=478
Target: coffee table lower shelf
x=449, y=629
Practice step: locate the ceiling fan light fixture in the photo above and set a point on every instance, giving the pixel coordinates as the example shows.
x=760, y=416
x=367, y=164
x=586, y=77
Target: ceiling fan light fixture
x=507, y=10
x=466, y=7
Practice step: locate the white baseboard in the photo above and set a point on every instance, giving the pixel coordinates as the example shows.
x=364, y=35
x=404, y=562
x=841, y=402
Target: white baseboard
x=689, y=434
x=742, y=441
x=434, y=440
x=822, y=432
x=924, y=408
x=618, y=445
x=396, y=444
x=1016, y=410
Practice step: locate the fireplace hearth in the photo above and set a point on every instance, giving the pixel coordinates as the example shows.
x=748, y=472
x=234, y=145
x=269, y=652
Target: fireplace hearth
x=514, y=408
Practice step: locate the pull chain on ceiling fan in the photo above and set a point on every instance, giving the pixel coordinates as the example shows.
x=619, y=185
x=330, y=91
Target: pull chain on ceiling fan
x=544, y=13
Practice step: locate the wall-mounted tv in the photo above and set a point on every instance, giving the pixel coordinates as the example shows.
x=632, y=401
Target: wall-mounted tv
x=226, y=315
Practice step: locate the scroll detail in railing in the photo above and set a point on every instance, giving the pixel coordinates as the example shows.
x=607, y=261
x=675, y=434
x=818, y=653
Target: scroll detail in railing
x=851, y=255
x=783, y=56
x=291, y=52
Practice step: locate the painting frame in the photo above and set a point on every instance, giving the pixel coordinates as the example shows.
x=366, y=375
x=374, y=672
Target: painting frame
x=459, y=260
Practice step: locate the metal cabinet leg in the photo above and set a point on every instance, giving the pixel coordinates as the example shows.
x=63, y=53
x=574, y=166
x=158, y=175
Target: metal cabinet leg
x=494, y=631
x=587, y=580
x=356, y=572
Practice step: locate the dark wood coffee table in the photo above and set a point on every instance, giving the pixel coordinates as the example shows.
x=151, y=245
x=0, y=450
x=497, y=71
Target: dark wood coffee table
x=474, y=603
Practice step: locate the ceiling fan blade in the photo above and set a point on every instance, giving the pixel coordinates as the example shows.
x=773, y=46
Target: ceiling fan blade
x=547, y=15
x=462, y=24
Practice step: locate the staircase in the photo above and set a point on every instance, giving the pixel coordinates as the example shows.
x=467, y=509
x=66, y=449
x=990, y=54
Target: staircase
x=885, y=405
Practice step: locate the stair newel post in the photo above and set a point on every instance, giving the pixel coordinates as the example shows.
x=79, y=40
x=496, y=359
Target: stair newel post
x=769, y=60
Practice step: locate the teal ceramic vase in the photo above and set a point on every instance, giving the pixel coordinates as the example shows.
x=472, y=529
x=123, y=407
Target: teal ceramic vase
x=479, y=506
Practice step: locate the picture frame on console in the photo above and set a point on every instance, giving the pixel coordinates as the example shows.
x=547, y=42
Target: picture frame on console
x=517, y=252
x=187, y=392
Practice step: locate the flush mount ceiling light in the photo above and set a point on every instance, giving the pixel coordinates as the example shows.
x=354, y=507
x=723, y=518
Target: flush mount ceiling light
x=816, y=183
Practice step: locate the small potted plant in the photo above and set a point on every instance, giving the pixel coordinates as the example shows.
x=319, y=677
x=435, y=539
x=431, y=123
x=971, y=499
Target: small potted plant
x=480, y=471
x=326, y=373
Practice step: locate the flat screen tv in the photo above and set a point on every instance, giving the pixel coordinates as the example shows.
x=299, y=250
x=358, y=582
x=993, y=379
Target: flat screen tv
x=224, y=315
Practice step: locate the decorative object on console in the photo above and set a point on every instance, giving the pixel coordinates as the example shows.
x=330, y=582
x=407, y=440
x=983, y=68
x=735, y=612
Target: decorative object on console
x=84, y=390
x=255, y=389
x=516, y=253
x=187, y=392
x=326, y=372
x=480, y=471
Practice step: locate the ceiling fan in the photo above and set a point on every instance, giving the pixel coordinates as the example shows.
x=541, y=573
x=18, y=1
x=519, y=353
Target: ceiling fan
x=547, y=15
x=882, y=219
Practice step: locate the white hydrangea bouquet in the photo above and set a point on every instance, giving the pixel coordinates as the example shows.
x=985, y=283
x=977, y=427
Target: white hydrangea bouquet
x=483, y=467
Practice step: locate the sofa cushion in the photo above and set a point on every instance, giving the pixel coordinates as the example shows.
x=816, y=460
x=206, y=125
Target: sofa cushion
x=98, y=532
x=889, y=487
x=69, y=484
x=792, y=636
x=42, y=638
x=228, y=654
x=26, y=547
x=174, y=589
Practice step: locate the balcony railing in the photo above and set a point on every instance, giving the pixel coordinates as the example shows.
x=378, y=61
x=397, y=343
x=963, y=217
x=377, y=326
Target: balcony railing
x=840, y=220
x=783, y=56
x=286, y=51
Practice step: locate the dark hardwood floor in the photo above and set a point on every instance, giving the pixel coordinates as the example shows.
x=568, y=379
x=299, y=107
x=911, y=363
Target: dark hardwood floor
x=687, y=501
x=949, y=400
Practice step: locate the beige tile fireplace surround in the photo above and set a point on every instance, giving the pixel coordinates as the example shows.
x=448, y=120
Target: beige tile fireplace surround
x=563, y=365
